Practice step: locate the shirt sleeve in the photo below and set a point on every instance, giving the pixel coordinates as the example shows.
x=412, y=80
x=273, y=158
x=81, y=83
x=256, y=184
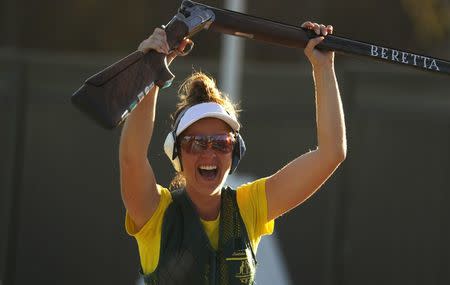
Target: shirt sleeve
x=149, y=236
x=252, y=203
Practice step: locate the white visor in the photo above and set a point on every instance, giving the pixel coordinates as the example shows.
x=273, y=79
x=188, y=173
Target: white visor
x=206, y=110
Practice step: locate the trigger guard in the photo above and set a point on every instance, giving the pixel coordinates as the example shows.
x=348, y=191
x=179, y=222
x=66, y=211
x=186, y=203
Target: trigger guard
x=187, y=49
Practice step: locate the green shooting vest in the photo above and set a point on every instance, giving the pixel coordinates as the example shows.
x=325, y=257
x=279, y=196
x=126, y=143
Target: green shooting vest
x=186, y=255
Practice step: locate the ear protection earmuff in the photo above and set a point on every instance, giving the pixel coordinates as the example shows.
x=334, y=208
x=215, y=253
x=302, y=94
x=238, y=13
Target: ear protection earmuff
x=238, y=152
x=170, y=144
x=172, y=151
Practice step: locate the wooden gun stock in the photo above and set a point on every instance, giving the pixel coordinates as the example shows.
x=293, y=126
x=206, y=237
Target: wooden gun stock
x=111, y=94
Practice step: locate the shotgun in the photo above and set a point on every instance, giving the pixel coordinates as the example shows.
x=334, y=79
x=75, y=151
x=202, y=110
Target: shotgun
x=109, y=96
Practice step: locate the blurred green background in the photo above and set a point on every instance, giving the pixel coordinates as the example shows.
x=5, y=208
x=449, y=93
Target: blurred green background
x=383, y=218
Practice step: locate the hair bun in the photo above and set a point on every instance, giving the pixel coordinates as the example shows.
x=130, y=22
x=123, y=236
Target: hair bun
x=200, y=88
x=198, y=92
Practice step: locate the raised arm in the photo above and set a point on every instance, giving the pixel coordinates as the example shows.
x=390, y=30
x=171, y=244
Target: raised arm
x=137, y=180
x=299, y=179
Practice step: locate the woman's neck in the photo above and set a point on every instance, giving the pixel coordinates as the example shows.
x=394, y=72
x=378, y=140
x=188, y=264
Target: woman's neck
x=207, y=206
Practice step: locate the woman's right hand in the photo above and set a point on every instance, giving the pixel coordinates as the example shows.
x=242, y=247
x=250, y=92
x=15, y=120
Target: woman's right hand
x=318, y=58
x=158, y=41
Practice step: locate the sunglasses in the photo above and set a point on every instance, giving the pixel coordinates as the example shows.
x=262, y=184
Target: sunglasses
x=197, y=144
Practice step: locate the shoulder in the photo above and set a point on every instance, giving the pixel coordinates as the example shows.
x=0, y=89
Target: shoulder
x=251, y=190
x=164, y=192
x=165, y=200
x=156, y=218
x=252, y=203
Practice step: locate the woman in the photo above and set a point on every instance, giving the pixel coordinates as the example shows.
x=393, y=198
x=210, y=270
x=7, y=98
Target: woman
x=204, y=232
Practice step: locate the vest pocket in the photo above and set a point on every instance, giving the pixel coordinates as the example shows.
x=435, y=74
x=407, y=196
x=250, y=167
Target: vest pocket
x=241, y=266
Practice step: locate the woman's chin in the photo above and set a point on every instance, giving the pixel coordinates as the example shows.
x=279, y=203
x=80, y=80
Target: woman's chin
x=210, y=183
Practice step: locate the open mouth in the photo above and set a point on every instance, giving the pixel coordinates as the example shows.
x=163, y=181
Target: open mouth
x=208, y=172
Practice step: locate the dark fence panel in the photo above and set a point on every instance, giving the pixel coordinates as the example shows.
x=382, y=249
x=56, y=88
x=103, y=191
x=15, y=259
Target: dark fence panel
x=11, y=75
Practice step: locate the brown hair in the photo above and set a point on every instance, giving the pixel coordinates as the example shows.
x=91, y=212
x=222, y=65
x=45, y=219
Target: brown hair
x=198, y=88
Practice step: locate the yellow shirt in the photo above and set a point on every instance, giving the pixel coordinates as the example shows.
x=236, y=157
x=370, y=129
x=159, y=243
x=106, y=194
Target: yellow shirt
x=252, y=203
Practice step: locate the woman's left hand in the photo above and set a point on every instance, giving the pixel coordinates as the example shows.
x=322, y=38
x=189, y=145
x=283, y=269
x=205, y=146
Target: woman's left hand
x=318, y=58
x=158, y=41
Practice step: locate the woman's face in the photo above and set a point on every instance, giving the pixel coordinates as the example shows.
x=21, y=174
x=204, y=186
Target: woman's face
x=207, y=170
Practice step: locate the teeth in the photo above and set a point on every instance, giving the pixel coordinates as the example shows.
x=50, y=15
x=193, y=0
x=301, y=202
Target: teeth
x=208, y=167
